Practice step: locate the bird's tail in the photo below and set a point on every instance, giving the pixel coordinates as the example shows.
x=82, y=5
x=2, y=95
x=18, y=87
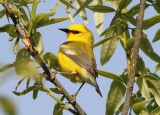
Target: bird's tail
x=94, y=83
x=98, y=90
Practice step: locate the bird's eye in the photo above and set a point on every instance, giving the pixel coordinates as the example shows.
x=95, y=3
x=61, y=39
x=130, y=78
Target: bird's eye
x=76, y=32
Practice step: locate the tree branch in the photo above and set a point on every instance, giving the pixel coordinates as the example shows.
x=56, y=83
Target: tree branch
x=37, y=57
x=138, y=36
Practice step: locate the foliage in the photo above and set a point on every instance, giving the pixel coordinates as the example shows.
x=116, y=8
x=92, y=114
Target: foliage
x=122, y=28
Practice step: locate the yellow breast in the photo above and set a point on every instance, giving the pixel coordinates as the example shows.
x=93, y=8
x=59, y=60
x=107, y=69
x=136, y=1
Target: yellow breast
x=67, y=65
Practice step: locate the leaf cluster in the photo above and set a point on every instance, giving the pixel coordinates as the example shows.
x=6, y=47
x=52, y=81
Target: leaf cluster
x=121, y=29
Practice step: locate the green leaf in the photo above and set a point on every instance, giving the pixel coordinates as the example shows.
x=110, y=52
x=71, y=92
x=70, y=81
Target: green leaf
x=101, y=9
x=146, y=47
x=53, y=21
x=69, y=14
x=51, y=60
x=98, y=17
x=129, y=43
x=102, y=41
x=24, y=16
x=157, y=68
x=20, y=82
x=39, y=20
x=115, y=97
x=7, y=105
x=156, y=111
x=82, y=12
x=56, y=6
x=110, y=75
x=55, y=90
x=156, y=7
x=35, y=91
x=24, y=65
x=16, y=45
x=144, y=112
x=157, y=36
x=24, y=91
x=141, y=66
x=37, y=37
x=67, y=4
x=135, y=9
x=123, y=4
x=138, y=107
x=153, y=85
x=2, y=13
x=58, y=109
x=9, y=28
x=82, y=7
x=8, y=66
x=141, y=82
x=148, y=23
x=129, y=18
x=108, y=49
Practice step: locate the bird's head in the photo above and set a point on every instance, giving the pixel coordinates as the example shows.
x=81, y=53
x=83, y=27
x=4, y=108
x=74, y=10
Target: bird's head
x=78, y=32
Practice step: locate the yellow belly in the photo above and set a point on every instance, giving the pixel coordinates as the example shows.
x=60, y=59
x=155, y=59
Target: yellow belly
x=69, y=66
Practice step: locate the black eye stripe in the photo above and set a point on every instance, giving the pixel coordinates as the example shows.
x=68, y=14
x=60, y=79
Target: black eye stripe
x=74, y=32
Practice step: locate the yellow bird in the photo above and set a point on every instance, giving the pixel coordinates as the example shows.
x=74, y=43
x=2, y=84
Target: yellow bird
x=76, y=56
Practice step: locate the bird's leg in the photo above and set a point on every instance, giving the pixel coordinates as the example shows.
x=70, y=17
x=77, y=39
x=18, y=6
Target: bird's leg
x=74, y=96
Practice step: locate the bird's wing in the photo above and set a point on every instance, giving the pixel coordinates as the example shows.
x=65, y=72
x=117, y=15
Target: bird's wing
x=83, y=59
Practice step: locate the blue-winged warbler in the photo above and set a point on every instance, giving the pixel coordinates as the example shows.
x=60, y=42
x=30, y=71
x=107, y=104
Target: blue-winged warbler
x=76, y=56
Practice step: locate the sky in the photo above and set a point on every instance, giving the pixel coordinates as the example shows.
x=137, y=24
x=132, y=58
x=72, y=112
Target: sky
x=87, y=98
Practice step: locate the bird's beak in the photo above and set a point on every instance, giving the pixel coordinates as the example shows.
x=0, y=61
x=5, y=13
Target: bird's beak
x=64, y=30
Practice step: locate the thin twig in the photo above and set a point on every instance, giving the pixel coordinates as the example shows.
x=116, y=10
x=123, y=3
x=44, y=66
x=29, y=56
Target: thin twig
x=34, y=53
x=138, y=36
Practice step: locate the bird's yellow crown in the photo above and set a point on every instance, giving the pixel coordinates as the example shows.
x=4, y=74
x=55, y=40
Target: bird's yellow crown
x=78, y=32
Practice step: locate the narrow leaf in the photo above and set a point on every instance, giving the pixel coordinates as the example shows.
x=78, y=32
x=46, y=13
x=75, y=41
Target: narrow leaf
x=16, y=45
x=123, y=4
x=20, y=82
x=37, y=37
x=56, y=6
x=24, y=91
x=69, y=14
x=151, y=21
x=57, y=109
x=101, y=9
x=107, y=50
x=98, y=17
x=129, y=18
x=41, y=19
x=153, y=85
x=87, y=2
x=2, y=13
x=141, y=82
x=53, y=21
x=82, y=12
x=138, y=107
x=51, y=60
x=157, y=68
x=115, y=97
x=110, y=75
x=157, y=36
x=135, y=9
x=146, y=47
x=8, y=66
x=156, y=111
x=55, y=90
x=102, y=41
x=67, y=4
